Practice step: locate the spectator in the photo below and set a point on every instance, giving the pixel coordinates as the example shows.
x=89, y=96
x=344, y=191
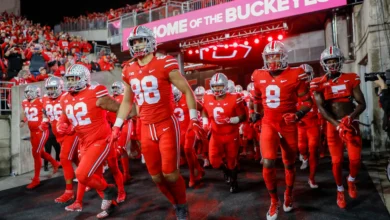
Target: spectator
x=84, y=61
x=105, y=64
x=15, y=57
x=56, y=68
x=26, y=65
x=95, y=67
x=43, y=75
x=37, y=59
x=86, y=47
x=3, y=70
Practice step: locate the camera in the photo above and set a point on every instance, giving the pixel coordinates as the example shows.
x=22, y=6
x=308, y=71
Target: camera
x=373, y=76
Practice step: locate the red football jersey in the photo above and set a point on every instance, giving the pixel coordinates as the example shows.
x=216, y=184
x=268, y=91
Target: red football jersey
x=151, y=87
x=339, y=90
x=53, y=111
x=33, y=111
x=313, y=113
x=89, y=120
x=279, y=94
x=182, y=113
x=111, y=116
x=231, y=106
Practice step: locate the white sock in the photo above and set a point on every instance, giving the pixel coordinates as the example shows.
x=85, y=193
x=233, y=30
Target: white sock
x=340, y=188
x=351, y=179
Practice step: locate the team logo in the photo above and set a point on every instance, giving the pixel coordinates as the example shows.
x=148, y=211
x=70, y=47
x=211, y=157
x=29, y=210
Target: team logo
x=237, y=52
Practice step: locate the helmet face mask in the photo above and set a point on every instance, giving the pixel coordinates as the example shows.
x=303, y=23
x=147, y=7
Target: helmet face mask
x=332, y=60
x=199, y=93
x=32, y=92
x=275, y=56
x=141, y=42
x=54, y=87
x=219, y=84
x=333, y=65
x=77, y=78
x=308, y=70
x=117, y=88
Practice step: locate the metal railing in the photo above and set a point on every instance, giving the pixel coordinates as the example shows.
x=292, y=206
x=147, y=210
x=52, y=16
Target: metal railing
x=101, y=50
x=5, y=97
x=114, y=26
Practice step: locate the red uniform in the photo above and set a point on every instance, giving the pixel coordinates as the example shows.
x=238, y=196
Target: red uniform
x=92, y=128
x=224, y=137
x=69, y=143
x=160, y=129
x=309, y=137
x=34, y=115
x=279, y=95
x=340, y=91
x=187, y=138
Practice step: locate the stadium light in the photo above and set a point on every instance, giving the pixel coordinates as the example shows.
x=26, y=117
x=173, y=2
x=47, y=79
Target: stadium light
x=235, y=44
x=257, y=41
x=207, y=49
x=226, y=46
x=280, y=37
x=196, y=51
x=246, y=43
x=190, y=52
x=270, y=39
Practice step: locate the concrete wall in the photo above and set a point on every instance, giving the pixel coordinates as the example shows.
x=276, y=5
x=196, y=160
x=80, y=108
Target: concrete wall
x=371, y=50
x=21, y=158
x=11, y=6
x=92, y=35
x=5, y=145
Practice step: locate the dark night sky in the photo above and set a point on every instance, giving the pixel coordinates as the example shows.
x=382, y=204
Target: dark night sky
x=51, y=12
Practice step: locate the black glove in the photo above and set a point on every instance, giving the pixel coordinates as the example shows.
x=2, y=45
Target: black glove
x=255, y=117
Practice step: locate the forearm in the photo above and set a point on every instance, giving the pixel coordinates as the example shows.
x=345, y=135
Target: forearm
x=358, y=110
x=191, y=103
x=125, y=109
x=133, y=112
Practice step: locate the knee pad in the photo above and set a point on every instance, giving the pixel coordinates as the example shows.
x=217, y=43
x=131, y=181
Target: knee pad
x=157, y=178
x=268, y=163
x=172, y=177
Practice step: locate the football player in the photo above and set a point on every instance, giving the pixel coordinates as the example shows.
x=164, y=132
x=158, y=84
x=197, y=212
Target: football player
x=33, y=114
x=335, y=94
x=278, y=87
x=187, y=138
x=84, y=111
x=69, y=143
x=224, y=111
x=149, y=79
x=309, y=135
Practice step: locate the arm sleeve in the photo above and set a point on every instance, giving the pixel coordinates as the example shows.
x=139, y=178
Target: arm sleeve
x=100, y=91
x=170, y=64
x=356, y=81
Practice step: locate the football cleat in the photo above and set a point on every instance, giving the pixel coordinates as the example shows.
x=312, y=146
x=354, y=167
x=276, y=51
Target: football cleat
x=64, y=198
x=341, y=200
x=34, y=183
x=312, y=184
x=352, y=191
x=288, y=203
x=77, y=206
x=304, y=164
x=273, y=211
x=181, y=212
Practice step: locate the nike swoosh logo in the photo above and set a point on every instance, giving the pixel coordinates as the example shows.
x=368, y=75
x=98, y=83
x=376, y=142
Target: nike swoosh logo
x=164, y=129
x=151, y=71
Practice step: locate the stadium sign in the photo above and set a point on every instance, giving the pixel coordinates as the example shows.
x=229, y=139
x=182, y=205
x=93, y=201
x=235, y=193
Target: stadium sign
x=230, y=15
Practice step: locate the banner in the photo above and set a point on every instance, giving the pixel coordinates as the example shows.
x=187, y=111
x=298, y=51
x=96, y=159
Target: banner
x=230, y=15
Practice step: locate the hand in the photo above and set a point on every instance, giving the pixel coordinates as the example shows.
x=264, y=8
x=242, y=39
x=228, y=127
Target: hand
x=21, y=124
x=195, y=126
x=290, y=118
x=255, y=117
x=206, y=128
x=115, y=133
x=44, y=125
x=347, y=121
x=343, y=130
x=222, y=119
x=62, y=128
x=380, y=82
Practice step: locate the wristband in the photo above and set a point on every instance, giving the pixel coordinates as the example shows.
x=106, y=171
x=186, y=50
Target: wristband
x=205, y=121
x=193, y=114
x=234, y=120
x=118, y=122
x=300, y=114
